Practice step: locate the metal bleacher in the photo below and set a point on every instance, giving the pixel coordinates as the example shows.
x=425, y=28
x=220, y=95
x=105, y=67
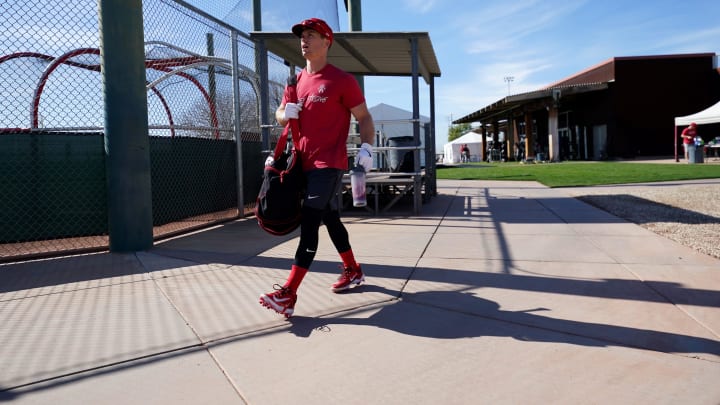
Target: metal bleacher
x=388, y=183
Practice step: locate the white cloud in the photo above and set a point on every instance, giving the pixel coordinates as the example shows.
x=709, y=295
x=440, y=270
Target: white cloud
x=508, y=26
x=692, y=41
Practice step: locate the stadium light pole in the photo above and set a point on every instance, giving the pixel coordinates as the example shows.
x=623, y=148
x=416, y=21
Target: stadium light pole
x=508, y=80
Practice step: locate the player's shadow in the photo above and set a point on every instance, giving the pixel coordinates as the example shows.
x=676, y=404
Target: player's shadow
x=459, y=314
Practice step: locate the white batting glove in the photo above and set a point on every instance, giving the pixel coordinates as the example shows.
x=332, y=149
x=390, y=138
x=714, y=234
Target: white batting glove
x=269, y=161
x=365, y=157
x=292, y=111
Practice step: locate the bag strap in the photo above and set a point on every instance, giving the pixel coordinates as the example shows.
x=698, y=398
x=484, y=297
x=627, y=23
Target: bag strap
x=293, y=124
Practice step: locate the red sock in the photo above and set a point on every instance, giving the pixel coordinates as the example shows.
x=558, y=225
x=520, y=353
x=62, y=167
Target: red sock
x=348, y=259
x=296, y=277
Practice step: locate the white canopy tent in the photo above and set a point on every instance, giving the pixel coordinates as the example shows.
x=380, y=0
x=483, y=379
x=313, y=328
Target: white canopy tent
x=451, y=150
x=709, y=115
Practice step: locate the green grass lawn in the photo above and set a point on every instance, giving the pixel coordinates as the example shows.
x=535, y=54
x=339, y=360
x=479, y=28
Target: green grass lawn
x=569, y=174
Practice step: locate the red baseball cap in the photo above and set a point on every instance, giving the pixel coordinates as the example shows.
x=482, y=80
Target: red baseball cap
x=315, y=24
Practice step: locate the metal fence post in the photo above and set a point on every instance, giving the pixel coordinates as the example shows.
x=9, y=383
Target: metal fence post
x=237, y=127
x=127, y=146
x=261, y=68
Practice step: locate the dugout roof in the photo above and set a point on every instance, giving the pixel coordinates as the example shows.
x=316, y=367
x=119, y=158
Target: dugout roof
x=363, y=53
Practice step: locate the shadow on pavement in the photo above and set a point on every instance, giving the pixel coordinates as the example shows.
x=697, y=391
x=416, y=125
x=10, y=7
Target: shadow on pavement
x=466, y=315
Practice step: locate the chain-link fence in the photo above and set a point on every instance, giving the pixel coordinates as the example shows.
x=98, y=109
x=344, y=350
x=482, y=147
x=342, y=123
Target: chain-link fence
x=52, y=150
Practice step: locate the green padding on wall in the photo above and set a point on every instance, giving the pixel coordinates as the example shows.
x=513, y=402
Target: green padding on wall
x=52, y=186
x=191, y=176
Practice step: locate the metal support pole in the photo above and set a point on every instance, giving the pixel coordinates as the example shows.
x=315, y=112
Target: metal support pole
x=257, y=15
x=261, y=68
x=127, y=145
x=237, y=123
x=416, y=123
x=432, y=164
x=355, y=14
x=212, y=86
x=355, y=20
x=677, y=158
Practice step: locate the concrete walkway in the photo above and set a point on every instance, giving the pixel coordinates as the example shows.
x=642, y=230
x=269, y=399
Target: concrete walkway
x=499, y=293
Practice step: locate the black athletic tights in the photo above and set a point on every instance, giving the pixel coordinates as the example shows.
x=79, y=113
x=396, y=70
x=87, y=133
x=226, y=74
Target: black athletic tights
x=309, y=229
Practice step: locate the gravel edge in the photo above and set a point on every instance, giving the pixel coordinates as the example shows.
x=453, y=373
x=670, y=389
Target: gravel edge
x=687, y=214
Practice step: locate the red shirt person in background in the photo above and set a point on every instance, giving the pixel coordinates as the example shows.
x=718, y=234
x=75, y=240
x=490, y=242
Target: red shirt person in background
x=688, y=136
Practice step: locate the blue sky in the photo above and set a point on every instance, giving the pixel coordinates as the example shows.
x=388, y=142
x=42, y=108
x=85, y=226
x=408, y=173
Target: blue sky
x=479, y=43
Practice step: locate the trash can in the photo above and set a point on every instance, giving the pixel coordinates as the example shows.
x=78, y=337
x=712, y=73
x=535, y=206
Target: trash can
x=695, y=154
x=401, y=160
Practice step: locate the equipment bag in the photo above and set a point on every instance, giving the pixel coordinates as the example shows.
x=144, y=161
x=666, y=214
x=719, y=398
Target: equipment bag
x=279, y=201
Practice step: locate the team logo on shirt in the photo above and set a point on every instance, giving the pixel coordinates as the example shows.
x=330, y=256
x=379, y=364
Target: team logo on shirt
x=318, y=98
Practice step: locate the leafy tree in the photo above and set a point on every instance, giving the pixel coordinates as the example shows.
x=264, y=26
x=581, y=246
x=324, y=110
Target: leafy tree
x=455, y=131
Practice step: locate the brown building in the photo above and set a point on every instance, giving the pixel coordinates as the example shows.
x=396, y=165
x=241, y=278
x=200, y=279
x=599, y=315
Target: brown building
x=622, y=108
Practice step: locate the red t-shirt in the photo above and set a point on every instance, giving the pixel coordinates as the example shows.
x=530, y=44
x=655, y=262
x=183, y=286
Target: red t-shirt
x=326, y=98
x=689, y=131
